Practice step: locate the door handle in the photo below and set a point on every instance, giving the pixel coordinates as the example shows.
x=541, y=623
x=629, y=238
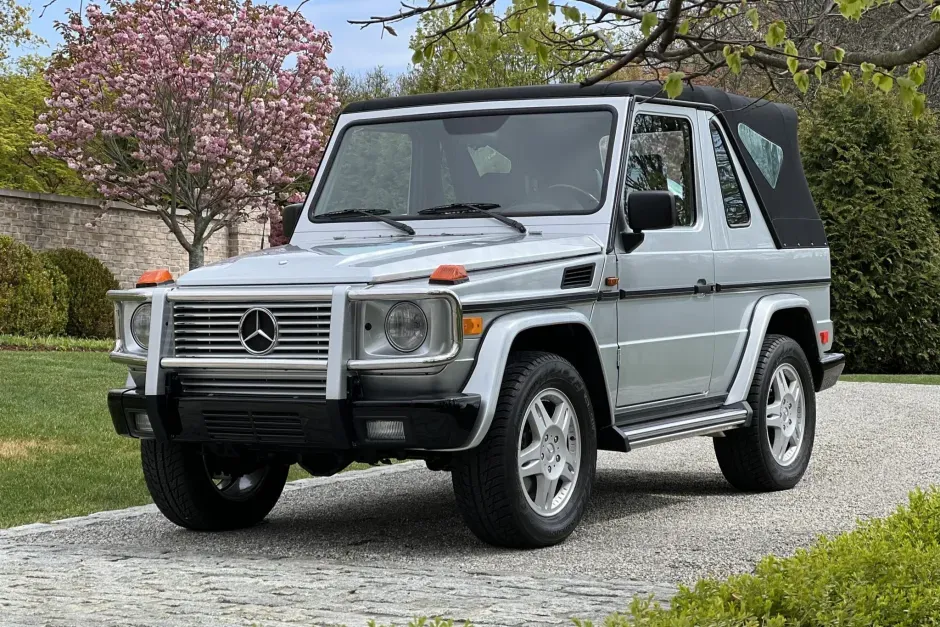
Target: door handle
x=703, y=287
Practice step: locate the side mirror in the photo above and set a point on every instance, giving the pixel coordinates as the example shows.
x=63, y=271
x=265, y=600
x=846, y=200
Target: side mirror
x=291, y=216
x=652, y=211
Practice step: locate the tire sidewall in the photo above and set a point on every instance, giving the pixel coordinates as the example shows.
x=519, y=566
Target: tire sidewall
x=788, y=352
x=560, y=375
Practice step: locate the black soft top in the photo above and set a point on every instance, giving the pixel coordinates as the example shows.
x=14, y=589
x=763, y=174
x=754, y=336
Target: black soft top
x=787, y=205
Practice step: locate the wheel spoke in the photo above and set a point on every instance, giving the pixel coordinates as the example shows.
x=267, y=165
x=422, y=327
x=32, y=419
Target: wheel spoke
x=773, y=414
x=530, y=462
x=780, y=385
x=539, y=419
x=562, y=417
x=780, y=444
x=796, y=390
x=567, y=473
x=545, y=492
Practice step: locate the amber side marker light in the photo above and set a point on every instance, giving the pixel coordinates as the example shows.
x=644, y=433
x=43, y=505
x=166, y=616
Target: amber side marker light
x=472, y=326
x=611, y=281
x=449, y=275
x=152, y=278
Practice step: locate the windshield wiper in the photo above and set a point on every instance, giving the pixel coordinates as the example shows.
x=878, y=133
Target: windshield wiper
x=378, y=214
x=475, y=208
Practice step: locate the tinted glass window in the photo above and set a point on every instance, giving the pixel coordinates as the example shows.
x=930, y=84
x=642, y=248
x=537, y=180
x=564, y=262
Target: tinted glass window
x=736, y=212
x=661, y=159
x=527, y=163
x=767, y=155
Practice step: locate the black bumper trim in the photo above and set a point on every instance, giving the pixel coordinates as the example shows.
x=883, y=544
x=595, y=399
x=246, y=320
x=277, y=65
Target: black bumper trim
x=295, y=424
x=832, y=366
x=429, y=422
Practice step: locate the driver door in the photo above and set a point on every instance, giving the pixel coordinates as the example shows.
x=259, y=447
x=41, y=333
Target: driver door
x=665, y=324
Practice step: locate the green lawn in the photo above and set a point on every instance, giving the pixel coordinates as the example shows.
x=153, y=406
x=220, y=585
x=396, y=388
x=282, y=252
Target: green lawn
x=59, y=455
x=920, y=379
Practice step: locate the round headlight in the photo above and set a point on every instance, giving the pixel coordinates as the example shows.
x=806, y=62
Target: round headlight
x=140, y=325
x=406, y=326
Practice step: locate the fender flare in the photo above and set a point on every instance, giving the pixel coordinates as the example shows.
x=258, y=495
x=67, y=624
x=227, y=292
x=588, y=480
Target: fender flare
x=487, y=376
x=763, y=311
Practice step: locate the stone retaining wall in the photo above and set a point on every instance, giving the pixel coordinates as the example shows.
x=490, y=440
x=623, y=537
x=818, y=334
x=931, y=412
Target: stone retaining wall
x=126, y=239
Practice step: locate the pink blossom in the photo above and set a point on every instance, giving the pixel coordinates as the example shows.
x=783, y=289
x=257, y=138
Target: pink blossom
x=220, y=104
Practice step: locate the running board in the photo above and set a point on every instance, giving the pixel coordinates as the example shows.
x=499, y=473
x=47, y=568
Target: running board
x=679, y=427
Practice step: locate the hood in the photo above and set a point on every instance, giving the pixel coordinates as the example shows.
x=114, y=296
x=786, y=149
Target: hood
x=373, y=260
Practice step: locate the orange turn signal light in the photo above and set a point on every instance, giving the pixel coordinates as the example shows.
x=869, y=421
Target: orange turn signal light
x=472, y=326
x=152, y=278
x=611, y=281
x=449, y=275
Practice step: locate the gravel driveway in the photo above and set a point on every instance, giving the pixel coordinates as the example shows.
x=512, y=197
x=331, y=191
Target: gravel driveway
x=389, y=544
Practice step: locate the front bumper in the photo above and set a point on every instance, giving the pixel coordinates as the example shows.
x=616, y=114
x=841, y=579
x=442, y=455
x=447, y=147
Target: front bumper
x=426, y=423
x=832, y=366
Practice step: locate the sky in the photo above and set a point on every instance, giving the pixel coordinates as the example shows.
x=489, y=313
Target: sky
x=354, y=49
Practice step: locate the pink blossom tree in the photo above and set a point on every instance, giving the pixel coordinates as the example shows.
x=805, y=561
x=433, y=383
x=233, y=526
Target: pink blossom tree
x=205, y=111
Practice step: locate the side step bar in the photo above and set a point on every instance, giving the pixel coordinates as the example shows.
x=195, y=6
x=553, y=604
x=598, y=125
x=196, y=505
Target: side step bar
x=679, y=427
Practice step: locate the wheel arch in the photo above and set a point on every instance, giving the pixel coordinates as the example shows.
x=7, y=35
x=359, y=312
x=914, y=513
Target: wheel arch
x=784, y=314
x=567, y=333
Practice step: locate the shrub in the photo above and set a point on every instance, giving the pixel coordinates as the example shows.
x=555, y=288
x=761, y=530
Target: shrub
x=90, y=312
x=33, y=298
x=886, y=572
x=873, y=184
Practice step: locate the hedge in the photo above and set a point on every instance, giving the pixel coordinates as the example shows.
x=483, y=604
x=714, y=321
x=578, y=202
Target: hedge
x=33, y=297
x=90, y=312
x=873, y=172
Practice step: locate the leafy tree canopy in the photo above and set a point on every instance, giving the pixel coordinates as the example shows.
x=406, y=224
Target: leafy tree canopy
x=23, y=92
x=880, y=42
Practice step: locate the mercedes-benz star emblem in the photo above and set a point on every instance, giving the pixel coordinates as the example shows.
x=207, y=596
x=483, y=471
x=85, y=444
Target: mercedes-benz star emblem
x=257, y=331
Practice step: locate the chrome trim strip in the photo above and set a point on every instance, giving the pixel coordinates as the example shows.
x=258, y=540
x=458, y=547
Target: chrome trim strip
x=706, y=430
x=128, y=359
x=705, y=420
x=244, y=363
x=401, y=363
x=137, y=294
x=197, y=294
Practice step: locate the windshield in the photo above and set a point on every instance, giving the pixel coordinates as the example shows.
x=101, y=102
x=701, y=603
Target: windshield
x=524, y=163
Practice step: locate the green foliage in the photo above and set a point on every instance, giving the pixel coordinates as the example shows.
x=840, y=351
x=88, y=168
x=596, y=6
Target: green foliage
x=22, y=100
x=491, y=54
x=90, y=312
x=873, y=171
x=33, y=298
x=886, y=572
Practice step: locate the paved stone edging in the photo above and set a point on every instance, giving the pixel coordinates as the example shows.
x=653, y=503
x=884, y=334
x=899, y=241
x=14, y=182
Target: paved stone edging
x=141, y=510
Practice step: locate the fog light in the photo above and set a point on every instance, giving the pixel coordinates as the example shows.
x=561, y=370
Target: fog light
x=141, y=422
x=385, y=430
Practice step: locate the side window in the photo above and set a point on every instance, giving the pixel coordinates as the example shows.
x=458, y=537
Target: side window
x=661, y=159
x=373, y=172
x=767, y=155
x=736, y=212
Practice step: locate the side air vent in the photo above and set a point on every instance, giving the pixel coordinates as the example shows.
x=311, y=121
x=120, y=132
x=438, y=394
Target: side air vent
x=578, y=276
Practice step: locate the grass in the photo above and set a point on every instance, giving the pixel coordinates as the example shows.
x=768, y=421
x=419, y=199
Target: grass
x=919, y=379
x=54, y=343
x=59, y=455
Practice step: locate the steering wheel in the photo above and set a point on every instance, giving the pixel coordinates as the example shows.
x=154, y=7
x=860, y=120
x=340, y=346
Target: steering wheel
x=593, y=200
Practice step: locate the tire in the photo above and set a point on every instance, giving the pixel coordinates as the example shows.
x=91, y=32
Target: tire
x=500, y=506
x=747, y=456
x=186, y=494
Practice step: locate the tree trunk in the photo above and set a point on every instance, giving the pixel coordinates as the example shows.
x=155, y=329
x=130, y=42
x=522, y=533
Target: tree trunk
x=197, y=256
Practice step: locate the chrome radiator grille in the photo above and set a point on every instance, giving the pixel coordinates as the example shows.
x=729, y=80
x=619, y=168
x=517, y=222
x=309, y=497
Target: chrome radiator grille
x=228, y=383
x=211, y=329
